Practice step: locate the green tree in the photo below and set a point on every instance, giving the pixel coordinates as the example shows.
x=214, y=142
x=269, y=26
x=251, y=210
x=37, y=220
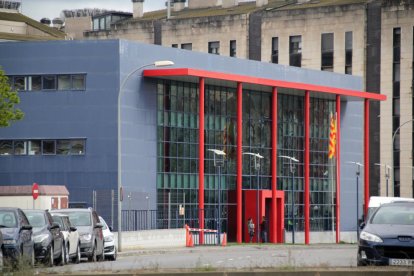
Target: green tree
x=8, y=100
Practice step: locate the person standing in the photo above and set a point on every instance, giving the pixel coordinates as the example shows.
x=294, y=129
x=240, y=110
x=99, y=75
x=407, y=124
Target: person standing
x=250, y=228
x=263, y=229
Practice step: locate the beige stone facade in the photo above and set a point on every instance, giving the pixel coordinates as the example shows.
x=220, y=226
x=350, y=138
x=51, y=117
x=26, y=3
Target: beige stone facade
x=398, y=17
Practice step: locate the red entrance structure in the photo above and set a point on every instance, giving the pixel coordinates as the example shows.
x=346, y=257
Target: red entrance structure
x=201, y=76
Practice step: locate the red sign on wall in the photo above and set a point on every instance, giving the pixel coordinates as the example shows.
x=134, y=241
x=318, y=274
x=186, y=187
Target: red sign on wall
x=35, y=191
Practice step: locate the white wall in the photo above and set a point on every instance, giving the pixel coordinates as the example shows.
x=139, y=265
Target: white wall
x=26, y=202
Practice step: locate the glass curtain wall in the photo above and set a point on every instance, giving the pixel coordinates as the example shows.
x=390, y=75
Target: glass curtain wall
x=177, y=177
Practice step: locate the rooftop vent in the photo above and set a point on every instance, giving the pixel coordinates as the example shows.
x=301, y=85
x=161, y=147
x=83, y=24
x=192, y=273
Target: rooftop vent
x=261, y=3
x=178, y=5
x=230, y=3
x=45, y=21
x=138, y=8
x=197, y=4
x=57, y=23
x=10, y=5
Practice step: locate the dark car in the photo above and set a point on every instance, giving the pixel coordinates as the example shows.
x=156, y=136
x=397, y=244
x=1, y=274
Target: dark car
x=48, y=240
x=17, y=236
x=387, y=237
x=90, y=232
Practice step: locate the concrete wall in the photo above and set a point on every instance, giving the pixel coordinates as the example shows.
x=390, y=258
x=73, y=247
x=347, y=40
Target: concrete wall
x=165, y=238
x=13, y=27
x=75, y=26
x=27, y=202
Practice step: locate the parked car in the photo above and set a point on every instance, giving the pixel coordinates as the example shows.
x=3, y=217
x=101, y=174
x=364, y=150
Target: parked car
x=48, y=240
x=17, y=236
x=387, y=236
x=90, y=232
x=70, y=236
x=1, y=252
x=110, y=249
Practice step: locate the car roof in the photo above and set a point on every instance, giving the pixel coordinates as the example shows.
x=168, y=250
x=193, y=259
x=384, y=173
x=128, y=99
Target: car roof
x=34, y=210
x=58, y=215
x=376, y=201
x=73, y=209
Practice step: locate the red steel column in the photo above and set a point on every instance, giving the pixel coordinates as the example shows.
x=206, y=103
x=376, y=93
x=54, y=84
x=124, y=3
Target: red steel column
x=273, y=236
x=366, y=155
x=307, y=167
x=239, y=160
x=338, y=167
x=201, y=159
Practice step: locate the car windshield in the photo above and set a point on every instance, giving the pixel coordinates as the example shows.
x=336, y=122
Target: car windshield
x=394, y=214
x=36, y=219
x=8, y=219
x=80, y=218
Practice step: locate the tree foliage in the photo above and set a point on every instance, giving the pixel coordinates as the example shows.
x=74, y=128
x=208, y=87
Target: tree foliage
x=8, y=101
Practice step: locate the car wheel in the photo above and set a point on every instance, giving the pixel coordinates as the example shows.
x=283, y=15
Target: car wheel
x=1, y=260
x=93, y=257
x=359, y=261
x=77, y=258
x=50, y=260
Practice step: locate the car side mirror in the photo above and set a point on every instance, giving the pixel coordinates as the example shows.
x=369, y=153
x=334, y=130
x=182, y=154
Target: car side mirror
x=362, y=225
x=110, y=228
x=26, y=227
x=73, y=229
x=98, y=225
x=54, y=226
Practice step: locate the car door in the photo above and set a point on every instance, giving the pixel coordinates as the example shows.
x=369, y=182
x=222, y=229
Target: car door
x=56, y=235
x=25, y=236
x=72, y=237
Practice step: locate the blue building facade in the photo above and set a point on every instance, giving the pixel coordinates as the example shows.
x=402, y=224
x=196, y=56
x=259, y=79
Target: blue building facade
x=69, y=92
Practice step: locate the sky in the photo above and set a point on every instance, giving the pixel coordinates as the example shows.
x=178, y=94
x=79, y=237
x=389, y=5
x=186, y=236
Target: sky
x=38, y=9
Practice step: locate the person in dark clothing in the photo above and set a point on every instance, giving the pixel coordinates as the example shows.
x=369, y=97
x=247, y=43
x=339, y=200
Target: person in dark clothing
x=263, y=229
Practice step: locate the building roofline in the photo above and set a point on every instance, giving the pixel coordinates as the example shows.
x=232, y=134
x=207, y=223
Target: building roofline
x=327, y=90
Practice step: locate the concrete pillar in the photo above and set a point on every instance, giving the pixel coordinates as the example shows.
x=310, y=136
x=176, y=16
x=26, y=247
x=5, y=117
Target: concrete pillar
x=138, y=8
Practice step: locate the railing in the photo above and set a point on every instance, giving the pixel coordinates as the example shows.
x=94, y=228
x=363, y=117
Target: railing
x=133, y=220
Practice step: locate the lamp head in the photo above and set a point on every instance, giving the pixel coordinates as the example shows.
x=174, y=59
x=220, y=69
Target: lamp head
x=218, y=152
x=162, y=63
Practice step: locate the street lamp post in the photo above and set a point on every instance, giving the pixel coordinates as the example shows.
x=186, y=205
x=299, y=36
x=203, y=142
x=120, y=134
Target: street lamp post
x=387, y=175
x=218, y=163
x=156, y=64
x=148, y=215
x=292, y=170
x=392, y=152
x=257, y=158
x=357, y=172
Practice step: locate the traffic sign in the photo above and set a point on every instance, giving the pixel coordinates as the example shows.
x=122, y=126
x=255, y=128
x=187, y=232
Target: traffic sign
x=35, y=191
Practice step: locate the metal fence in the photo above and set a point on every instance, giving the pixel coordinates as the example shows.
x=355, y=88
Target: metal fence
x=134, y=220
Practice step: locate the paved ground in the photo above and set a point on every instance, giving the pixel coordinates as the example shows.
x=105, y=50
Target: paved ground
x=336, y=259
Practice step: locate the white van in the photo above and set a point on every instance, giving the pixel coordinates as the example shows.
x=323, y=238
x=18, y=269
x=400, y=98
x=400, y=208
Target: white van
x=377, y=201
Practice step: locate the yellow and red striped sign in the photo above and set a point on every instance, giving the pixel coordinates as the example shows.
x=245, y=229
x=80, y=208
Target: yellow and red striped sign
x=332, y=138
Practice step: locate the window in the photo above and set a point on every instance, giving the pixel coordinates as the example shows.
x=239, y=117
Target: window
x=6, y=147
x=77, y=147
x=214, y=47
x=187, y=46
x=64, y=82
x=348, y=53
x=396, y=104
x=275, y=50
x=63, y=147
x=78, y=82
x=20, y=147
x=34, y=147
x=19, y=83
x=174, y=45
x=233, y=48
x=49, y=82
x=327, y=52
x=35, y=83
x=295, y=51
x=48, y=147
x=96, y=24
